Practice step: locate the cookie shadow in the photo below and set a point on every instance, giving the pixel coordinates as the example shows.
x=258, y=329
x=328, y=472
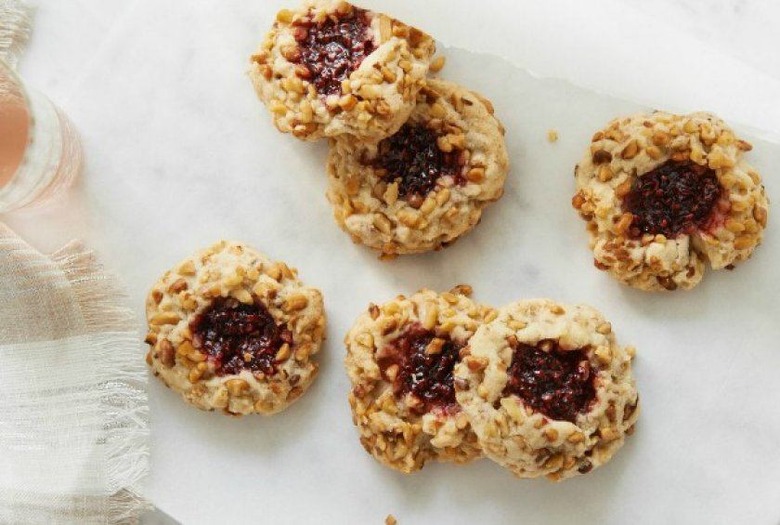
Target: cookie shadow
x=487, y=489
x=734, y=289
x=255, y=434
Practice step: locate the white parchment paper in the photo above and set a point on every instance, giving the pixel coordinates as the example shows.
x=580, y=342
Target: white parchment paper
x=180, y=154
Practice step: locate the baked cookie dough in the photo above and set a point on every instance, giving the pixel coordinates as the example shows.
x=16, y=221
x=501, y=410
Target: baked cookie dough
x=547, y=389
x=665, y=194
x=424, y=186
x=400, y=358
x=230, y=329
x=330, y=68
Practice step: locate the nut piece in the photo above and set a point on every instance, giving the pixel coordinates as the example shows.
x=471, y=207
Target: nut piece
x=631, y=150
x=296, y=303
x=237, y=387
x=164, y=318
x=437, y=64
x=601, y=156
x=167, y=353
x=178, y=286
x=476, y=364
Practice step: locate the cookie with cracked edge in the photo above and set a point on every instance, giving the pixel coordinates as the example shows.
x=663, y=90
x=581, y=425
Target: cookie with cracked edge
x=666, y=195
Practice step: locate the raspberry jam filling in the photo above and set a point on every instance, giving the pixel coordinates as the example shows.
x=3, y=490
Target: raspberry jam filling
x=332, y=49
x=237, y=336
x=413, y=158
x=675, y=198
x=420, y=363
x=559, y=384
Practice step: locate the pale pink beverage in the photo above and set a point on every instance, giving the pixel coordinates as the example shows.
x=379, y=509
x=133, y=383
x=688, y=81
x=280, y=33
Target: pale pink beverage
x=14, y=135
x=40, y=153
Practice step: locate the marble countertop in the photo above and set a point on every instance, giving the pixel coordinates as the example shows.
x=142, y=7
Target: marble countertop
x=179, y=153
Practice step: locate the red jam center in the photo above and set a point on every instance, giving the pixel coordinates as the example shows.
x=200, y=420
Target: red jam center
x=332, y=50
x=237, y=336
x=559, y=384
x=413, y=159
x=424, y=373
x=675, y=198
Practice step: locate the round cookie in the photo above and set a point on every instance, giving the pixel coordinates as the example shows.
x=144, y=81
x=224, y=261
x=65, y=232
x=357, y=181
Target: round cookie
x=421, y=188
x=664, y=194
x=547, y=389
x=230, y=329
x=400, y=358
x=329, y=69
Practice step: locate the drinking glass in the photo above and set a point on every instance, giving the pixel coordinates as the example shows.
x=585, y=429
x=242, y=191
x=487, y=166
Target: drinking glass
x=40, y=153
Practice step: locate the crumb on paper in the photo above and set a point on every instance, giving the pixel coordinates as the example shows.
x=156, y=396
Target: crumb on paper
x=390, y=520
x=552, y=135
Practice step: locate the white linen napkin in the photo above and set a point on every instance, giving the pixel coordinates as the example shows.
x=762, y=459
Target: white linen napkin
x=15, y=27
x=73, y=406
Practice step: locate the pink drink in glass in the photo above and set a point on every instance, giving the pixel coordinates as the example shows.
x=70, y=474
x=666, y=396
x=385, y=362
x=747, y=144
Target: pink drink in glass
x=40, y=153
